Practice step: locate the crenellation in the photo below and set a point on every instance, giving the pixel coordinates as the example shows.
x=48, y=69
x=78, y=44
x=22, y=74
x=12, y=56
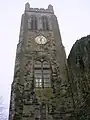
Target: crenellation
x=49, y=10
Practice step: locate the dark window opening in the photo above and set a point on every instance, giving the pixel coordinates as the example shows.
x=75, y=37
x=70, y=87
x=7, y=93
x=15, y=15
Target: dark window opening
x=45, y=23
x=34, y=23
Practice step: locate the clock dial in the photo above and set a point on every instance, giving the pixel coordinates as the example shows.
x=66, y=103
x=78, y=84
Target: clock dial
x=40, y=40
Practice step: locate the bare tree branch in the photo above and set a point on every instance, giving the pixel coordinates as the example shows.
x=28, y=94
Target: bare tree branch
x=2, y=110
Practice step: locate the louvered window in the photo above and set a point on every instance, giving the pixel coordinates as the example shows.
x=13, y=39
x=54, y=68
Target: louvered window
x=45, y=23
x=34, y=23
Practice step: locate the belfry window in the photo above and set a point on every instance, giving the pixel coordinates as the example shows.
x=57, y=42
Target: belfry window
x=42, y=74
x=45, y=23
x=33, y=22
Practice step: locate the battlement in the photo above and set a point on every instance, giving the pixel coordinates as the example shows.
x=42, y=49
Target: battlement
x=48, y=10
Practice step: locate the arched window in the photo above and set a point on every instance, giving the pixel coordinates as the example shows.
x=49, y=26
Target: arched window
x=33, y=22
x=42, y=74
x=45, y=23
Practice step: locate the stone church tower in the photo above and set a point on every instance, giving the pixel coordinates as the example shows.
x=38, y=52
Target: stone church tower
x=40, y=70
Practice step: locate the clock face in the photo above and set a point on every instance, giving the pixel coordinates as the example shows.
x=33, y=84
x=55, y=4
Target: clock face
x=40, y=40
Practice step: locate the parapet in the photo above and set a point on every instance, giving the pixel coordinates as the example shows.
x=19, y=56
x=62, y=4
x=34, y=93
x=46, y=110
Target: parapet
x=29, y=9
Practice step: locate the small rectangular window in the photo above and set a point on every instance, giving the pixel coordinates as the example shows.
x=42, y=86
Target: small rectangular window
x=47, y=82
x=38, y=64
x=46, y=65
x=46, y=76
x=38, y=76
x=38, y=82
x=46, y=71
x=38, y=71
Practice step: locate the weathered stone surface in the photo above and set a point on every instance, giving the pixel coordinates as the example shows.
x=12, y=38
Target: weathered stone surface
x=31, y=102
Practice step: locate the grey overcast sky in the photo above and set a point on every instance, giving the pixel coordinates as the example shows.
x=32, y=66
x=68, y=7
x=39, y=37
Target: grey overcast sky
x=74, y=23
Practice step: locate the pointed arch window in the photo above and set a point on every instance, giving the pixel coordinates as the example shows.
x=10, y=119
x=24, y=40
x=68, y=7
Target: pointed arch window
x=33, y=22
x=45, y=23
x=42, y=74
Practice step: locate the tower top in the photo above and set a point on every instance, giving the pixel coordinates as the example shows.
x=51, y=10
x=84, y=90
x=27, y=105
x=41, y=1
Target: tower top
x=29, y=9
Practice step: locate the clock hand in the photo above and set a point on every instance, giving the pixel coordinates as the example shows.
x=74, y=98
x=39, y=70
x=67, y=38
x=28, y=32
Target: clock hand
x=41, y=40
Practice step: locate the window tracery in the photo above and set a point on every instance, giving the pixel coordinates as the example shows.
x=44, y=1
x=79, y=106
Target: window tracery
x=42, y=74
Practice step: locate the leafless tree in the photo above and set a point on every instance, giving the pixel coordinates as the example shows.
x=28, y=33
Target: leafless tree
x=2, y=110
